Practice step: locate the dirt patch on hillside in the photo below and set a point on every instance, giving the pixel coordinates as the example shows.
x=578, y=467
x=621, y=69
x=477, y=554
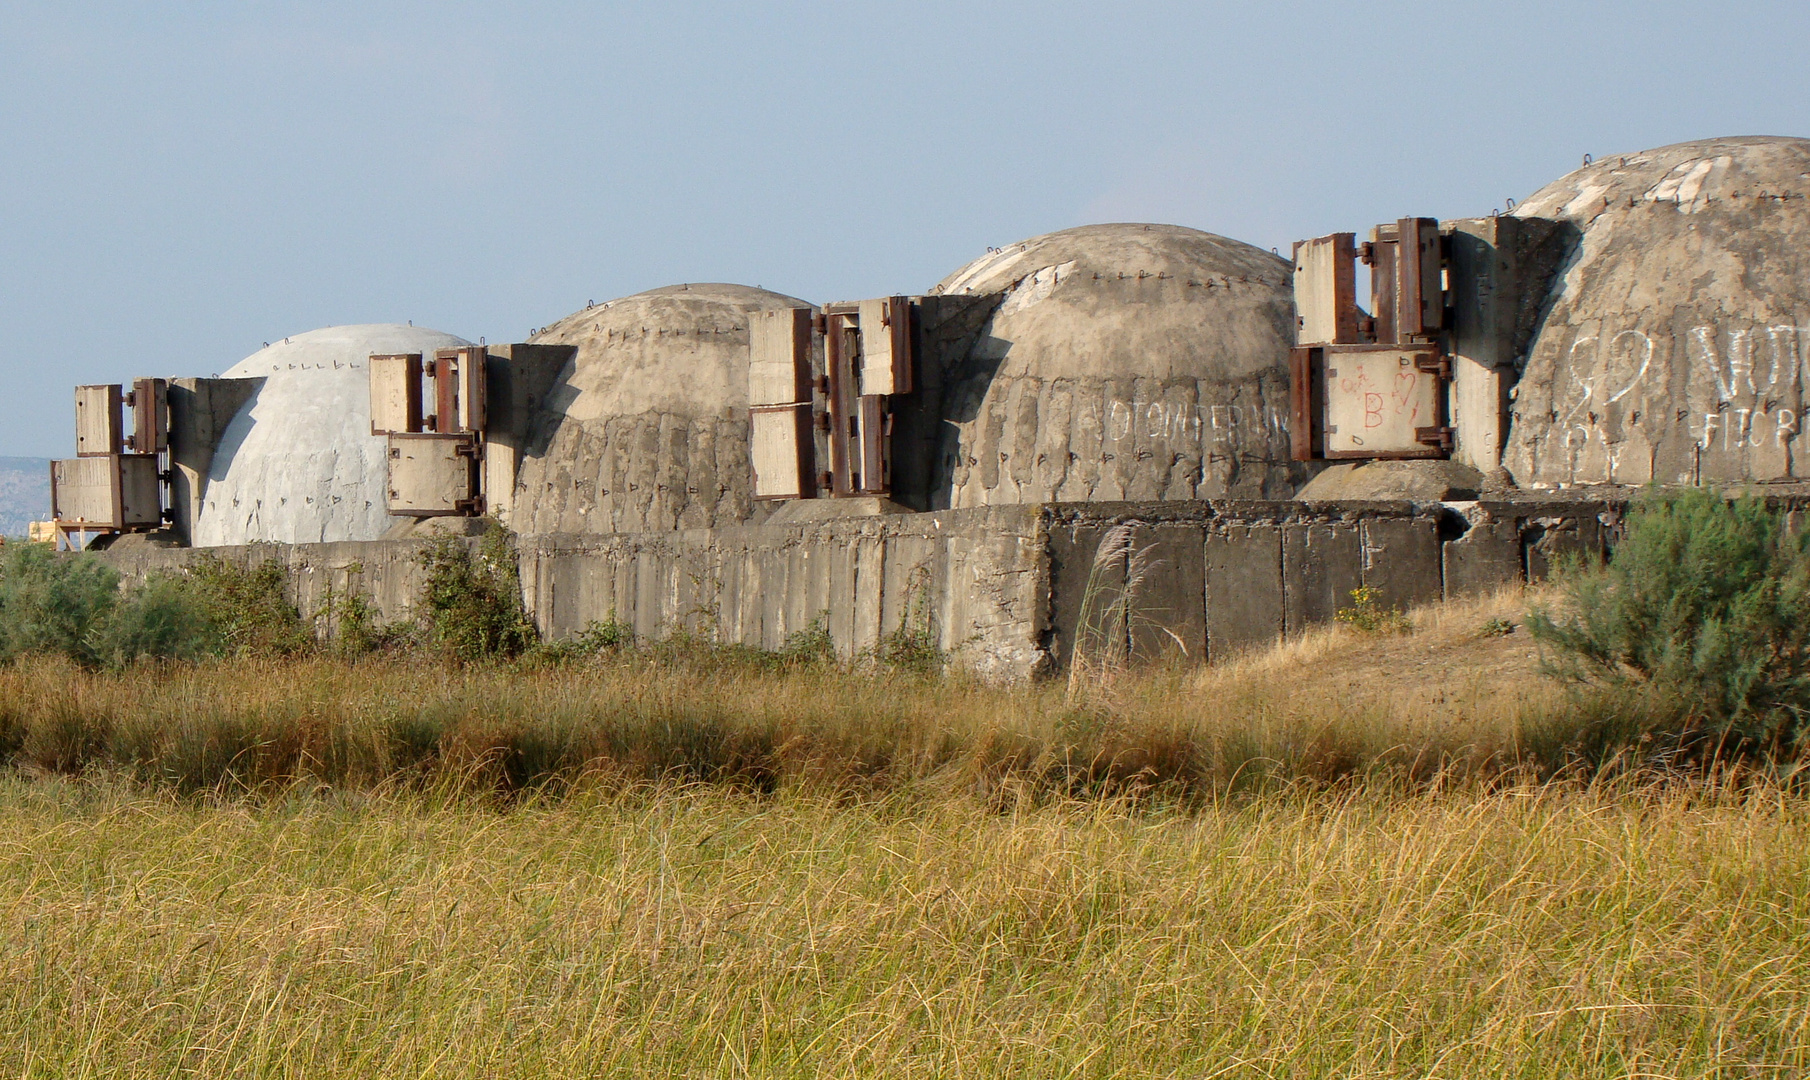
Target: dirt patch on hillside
x=1469, y=660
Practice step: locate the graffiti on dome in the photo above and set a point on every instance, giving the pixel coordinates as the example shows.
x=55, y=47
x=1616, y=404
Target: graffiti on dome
x=1732, y=390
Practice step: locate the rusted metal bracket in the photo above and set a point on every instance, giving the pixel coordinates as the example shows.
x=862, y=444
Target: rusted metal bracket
x=1439, y=436
x=1371, y=384
x=1436, y=364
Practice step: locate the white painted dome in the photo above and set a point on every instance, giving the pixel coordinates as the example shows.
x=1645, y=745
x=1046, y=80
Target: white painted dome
x=298, y=463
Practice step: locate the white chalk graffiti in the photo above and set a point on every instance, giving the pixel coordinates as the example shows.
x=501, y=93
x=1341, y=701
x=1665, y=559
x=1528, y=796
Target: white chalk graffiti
x=1609, y=375
x=1743, y=388
x=1187, y=423
x=1734, y=369
x=1742, y=428
x=1759, y=365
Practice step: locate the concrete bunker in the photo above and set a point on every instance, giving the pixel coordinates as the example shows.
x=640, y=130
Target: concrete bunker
x=646, y=426
x=297, y=461
x=1672, y=345
x=739, y=462
x=1117, y=362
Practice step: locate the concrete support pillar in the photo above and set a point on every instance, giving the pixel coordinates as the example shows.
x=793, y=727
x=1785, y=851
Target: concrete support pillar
x=519, y=377
x=200, y=410
x=1485, y=285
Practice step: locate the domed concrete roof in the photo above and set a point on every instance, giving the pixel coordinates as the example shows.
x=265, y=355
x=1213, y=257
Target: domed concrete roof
x=647, y=428
x=1123, y=361
x=298, y=463
x=1673, y=342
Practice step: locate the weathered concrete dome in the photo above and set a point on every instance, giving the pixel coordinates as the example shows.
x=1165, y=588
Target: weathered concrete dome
x=647, y=428
x=1120, y=362
x=1673, y=345
x=298, y=463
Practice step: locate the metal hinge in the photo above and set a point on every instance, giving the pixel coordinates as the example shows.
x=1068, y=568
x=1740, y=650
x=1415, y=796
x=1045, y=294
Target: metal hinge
x=1438, y=364
x=1434, y=436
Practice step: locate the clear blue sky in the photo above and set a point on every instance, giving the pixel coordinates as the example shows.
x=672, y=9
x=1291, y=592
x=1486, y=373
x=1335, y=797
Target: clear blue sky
x=182, y=182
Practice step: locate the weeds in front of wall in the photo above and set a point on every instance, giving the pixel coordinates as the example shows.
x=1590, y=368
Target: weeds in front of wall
x=1368, y=614
x=599, y=638
x=250, y=604
x=812, y=645
x=1107, y=620
x=347, y=622
x=471, y=601
x=912, y=646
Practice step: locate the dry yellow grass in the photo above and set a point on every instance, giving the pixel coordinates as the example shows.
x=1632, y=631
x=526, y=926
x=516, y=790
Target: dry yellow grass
x=1526, y=933
x=1463, y=680
x=1333, y=704
x=1288, y=865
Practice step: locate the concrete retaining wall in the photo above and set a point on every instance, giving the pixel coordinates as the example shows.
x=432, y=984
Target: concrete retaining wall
x=1009, y=590
x=974, y=578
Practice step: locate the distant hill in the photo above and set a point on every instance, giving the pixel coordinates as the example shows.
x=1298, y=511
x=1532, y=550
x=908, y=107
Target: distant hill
x=24, y=493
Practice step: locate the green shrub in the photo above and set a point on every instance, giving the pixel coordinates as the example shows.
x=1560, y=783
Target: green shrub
x=54, y=603
x=471, y=602
x=1707, y=601
x=71, y=605
x=598, y=638
x=812, y=645
x=249, y=606
x=165, y=616
x=1368, y=614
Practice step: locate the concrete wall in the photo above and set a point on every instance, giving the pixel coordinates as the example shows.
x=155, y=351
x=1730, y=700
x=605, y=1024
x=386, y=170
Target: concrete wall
x=1225, y=576
x=976, y=579
x=385, y=572
x=1005, y=589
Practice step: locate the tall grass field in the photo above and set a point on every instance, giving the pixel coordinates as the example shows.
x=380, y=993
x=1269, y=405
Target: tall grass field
x=694, y=931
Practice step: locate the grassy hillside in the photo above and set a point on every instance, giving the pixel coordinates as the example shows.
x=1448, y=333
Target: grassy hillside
x=24, y=493
x=1333, y=705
